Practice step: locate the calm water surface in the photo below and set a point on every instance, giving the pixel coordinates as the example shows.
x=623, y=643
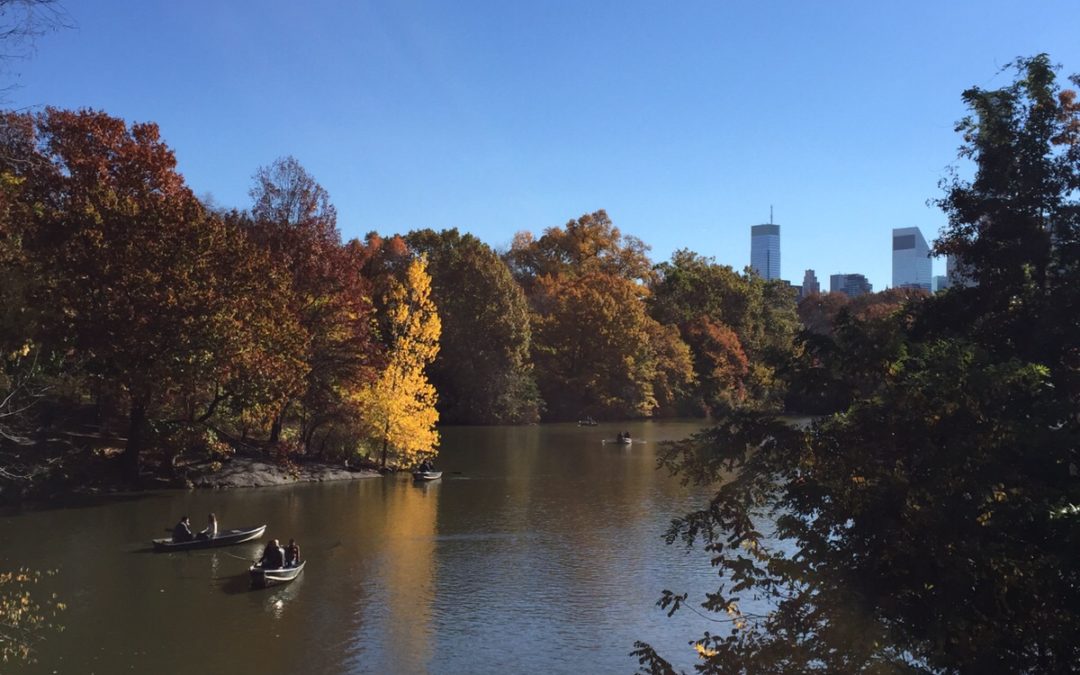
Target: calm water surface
x=540, y=550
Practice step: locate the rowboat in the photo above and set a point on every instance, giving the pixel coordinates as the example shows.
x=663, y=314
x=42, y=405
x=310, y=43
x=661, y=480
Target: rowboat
x=223, y=538
x=261, y=578
x=623, y=440
x=421, y=476
x=587, y=422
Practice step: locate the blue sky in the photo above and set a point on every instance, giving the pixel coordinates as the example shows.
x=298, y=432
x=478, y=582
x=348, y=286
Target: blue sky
x=686, y=121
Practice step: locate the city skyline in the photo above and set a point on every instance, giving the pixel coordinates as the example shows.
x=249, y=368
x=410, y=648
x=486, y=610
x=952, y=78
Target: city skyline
x=417, y=115
x=912, y=263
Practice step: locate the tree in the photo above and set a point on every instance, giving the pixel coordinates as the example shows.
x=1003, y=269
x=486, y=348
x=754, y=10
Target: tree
x=22, y=22
x=399, y=406
x=588, y=244
x=701, y=298
x=295, y=222
x=720, y=364
x=930, y=520
x=598, y=353
x=482, y=372
x=596, y=350
x=154, y=296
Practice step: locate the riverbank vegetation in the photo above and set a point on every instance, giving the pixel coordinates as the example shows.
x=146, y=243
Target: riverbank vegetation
x=148, y=331
x=927, y=522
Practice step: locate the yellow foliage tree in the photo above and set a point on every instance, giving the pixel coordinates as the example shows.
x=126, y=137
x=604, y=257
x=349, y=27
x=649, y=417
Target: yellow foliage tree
x=399, y=406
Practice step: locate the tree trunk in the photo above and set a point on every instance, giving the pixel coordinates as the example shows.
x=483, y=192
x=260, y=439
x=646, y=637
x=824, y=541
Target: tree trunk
x=135, y=441
x=275, y=427
x=385, y=442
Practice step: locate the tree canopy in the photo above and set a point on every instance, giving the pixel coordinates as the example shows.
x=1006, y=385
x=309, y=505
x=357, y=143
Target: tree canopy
x=483, y=372
x=927, y=524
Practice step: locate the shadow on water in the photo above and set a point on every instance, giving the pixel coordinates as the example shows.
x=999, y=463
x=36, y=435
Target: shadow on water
x=237, y=584
x=77, y=501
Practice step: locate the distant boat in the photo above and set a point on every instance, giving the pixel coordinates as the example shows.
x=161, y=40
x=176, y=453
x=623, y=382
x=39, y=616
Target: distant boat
x=424, y=476
x=623, y=440
x=587, y=422
x=261, y=578
x=223, y=538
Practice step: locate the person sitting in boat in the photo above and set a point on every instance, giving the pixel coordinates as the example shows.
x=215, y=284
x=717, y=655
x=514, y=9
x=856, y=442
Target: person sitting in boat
x=182, y=531
x=273, y=558
x=211, y=528
x=619, y=437
x=426, y=466
x=292, y=554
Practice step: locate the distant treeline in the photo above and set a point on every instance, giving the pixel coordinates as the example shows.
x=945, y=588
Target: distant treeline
x=130, y=305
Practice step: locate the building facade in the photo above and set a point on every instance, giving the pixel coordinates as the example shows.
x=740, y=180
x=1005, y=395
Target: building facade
x=765, y=250
x=911, y=264
x=810, y=285
x=851, y=285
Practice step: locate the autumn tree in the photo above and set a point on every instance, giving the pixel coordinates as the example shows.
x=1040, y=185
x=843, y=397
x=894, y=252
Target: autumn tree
x=156, y=298
x=741, y=329
x=295, y=222
x=590, y=243
x=18, y=323
x=596, y=351
x=398, y=408
x=928, y=524
x=483, y=371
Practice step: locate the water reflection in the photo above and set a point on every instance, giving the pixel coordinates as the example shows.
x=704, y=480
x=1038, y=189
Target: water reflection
x=539, y=550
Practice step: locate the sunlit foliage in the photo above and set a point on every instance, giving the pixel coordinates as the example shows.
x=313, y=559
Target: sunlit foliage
x=398, y=408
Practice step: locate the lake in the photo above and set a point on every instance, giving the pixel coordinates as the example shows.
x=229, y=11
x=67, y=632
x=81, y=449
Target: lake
x=540, y=550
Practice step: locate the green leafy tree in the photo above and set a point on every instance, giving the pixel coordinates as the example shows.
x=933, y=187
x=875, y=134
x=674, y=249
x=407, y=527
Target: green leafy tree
x=483, y=372
x=930, y=523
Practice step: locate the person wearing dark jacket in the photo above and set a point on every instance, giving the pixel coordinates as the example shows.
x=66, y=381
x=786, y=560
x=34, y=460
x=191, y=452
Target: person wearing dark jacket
x=273, y=557
x=182, y=531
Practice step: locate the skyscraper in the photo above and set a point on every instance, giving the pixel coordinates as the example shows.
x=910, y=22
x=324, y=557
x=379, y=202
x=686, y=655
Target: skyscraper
x=765, y=250
x=911, y=264
x=810, y=284
x=851, y=285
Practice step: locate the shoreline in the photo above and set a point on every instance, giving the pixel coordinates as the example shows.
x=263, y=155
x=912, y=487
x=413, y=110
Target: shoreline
x=101, y=481
x=244, y=472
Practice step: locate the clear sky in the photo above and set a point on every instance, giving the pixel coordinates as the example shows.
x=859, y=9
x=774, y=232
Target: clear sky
x=685, y=120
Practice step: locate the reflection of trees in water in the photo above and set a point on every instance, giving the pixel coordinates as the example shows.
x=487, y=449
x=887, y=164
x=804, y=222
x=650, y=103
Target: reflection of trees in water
x=403, y=600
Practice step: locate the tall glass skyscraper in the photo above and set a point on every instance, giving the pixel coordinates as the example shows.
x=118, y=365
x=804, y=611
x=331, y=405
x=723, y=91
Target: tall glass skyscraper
x=765, y=250
x=911, y=264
